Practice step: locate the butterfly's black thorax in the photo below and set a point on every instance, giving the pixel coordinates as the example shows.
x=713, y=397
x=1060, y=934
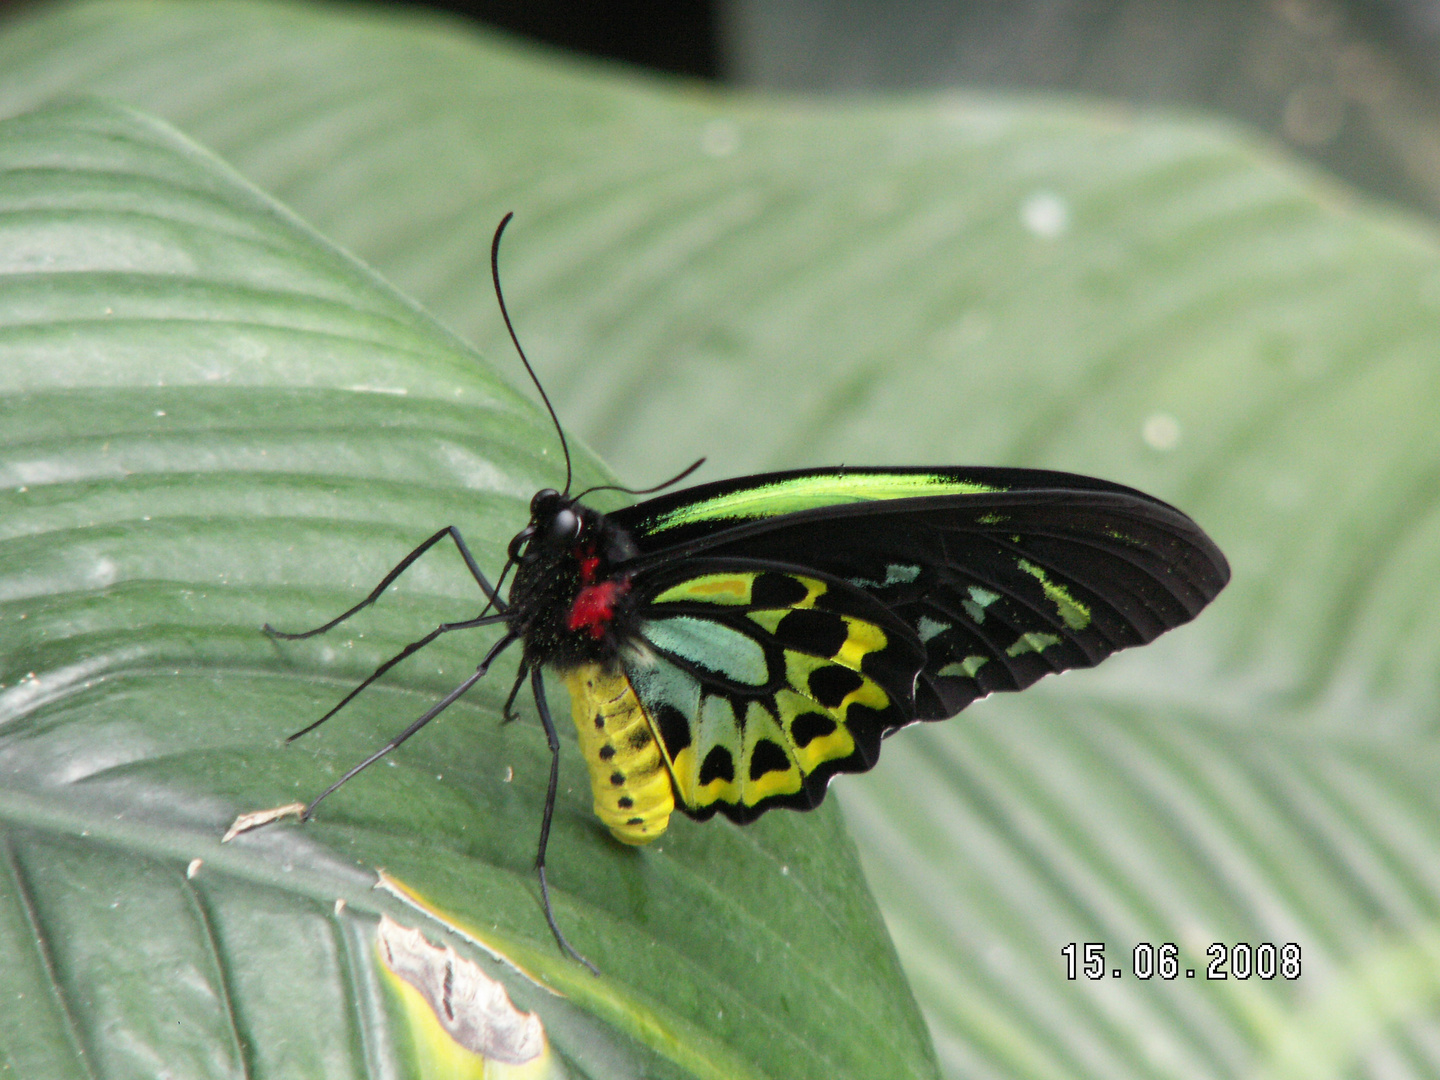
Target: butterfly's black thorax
x=569, y=601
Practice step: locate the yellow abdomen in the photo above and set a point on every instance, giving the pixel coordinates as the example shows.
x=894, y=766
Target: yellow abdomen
x=633, y=793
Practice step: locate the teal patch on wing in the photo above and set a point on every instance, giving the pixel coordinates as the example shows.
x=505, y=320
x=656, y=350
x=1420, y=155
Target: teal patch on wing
x=664, y=688
x=979, y=600
x=713, y=646
x=894, y=575
x=929, y=628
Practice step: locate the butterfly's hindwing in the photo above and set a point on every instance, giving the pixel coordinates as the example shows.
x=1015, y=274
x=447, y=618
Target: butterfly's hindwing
x=765, y=679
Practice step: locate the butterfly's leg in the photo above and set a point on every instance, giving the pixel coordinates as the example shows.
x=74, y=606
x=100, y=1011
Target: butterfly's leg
x=480, y=579
x=508, y=714
x=389, y=579
x=537, y=685
x=443, y=628
x=439, y=707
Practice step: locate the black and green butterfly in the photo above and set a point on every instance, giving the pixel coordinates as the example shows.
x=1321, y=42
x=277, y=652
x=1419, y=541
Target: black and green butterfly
x=731, y=647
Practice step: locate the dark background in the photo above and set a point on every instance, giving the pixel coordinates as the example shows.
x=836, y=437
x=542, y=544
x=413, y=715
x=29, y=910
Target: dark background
x=669, y=35
x=1351, y=84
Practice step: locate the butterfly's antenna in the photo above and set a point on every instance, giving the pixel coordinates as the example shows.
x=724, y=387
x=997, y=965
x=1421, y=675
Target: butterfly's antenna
x=495, y=275
x=645, y=491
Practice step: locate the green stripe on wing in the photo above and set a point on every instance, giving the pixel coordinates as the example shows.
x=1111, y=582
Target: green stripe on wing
x=792, y=494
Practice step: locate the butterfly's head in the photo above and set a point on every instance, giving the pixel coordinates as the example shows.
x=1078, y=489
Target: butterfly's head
x=561, y=527
x=556, y=523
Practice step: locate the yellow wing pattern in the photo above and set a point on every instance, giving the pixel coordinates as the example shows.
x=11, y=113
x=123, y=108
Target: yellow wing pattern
x=761, y=684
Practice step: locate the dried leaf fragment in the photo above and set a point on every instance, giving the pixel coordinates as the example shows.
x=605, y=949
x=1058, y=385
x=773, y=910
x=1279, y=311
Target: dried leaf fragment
x=256, y=818
x=473, y=1008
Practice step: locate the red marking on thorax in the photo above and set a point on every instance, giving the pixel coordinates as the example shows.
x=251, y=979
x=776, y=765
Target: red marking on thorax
x=594, y=606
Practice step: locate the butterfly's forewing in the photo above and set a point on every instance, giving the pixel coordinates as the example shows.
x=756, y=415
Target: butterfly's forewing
x=764, y=679
x=999, y=576
x=1004, y=587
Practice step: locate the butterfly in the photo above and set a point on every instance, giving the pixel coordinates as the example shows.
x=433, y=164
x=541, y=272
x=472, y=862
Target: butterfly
x=729, y=648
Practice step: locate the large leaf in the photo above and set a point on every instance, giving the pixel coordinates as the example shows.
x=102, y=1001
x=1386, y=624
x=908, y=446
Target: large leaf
x=1160, y=302
x=212, y=419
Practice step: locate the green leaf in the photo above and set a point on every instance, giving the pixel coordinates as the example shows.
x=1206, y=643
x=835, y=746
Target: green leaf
x=772, y=282
x=213, y=419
